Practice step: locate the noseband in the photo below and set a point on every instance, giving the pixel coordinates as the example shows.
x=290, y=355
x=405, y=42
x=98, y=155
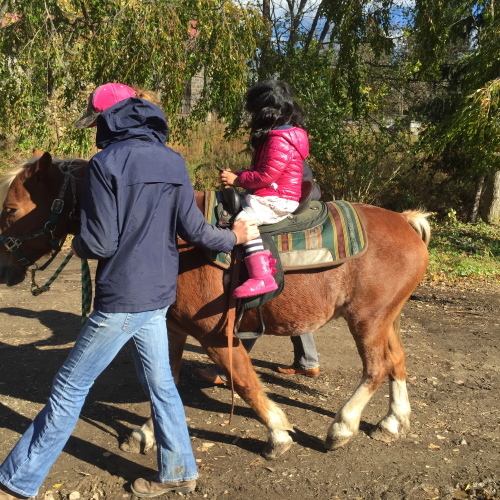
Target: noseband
x=12, y=244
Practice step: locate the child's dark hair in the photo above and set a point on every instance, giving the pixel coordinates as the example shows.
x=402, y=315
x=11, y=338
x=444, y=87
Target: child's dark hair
x=271, y=104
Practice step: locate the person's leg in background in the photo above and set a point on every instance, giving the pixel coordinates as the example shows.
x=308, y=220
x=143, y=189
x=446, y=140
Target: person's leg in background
x=305, y=357
x=305, y=360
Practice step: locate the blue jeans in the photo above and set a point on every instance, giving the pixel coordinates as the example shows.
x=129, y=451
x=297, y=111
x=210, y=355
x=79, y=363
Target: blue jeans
x=305, y=354
x=304, y=350
x=100, y=340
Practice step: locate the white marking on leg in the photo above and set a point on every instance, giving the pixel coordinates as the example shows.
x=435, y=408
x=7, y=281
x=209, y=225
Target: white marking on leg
x=278, y=425
x=346, y=423
x=145, y=436
x=398, y=417
x=277, y=431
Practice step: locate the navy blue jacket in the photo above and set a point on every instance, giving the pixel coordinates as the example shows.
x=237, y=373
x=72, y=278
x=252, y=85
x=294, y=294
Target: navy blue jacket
x=137, y=196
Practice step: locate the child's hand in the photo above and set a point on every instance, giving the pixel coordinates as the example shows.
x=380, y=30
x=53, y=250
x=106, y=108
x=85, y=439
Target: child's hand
x=228, y=178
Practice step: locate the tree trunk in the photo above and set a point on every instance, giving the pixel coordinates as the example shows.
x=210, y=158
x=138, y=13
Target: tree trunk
x=490, y=211
x=264, y=70
x=477, y=199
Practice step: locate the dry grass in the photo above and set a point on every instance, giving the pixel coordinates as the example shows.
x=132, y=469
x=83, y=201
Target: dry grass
x=206, y=148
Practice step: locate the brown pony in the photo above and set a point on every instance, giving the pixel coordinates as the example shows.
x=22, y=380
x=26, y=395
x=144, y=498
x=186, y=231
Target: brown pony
x=368, y=292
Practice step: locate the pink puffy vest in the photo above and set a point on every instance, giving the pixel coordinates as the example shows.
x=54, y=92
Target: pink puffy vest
x=278, y=164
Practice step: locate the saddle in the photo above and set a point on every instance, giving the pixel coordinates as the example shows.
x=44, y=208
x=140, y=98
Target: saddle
x=317, y=235
x=231, y=206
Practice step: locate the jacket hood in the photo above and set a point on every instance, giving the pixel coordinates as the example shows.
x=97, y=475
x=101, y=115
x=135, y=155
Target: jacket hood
x=296, y=136
x=131, y=119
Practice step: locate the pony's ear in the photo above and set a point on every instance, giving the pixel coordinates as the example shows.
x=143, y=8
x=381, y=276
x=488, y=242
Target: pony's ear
x=41, y=166
x=37, y=153
x=44, y=163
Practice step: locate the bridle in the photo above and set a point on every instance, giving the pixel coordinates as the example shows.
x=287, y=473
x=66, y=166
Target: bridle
x=13, y=244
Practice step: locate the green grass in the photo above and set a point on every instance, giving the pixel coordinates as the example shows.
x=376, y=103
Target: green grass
x=461, y=253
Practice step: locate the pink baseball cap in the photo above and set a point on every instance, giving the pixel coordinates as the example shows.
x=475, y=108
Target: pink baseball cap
x=103, y=98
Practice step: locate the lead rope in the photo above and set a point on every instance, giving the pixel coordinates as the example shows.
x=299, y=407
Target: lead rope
x=38, y=290
x=86, y=290
x=86, y=284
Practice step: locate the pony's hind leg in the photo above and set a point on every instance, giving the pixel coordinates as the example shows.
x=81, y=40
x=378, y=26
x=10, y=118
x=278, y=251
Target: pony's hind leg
x=248, y=386
x=382, y=355
x=397, y=420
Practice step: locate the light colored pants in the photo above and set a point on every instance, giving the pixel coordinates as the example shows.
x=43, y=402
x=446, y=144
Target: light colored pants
x=100, y=340
x=305, y=355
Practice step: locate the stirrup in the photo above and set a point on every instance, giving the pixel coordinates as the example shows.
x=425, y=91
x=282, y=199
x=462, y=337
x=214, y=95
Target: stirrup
x=248, y=335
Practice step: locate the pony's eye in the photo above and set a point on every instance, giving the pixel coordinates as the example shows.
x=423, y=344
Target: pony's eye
x=9, y=210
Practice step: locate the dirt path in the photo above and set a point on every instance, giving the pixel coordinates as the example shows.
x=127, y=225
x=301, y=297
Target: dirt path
x=452, y=339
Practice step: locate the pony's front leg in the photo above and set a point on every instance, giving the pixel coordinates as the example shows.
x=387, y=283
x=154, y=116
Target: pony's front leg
x=141, y=440
x=248, y=386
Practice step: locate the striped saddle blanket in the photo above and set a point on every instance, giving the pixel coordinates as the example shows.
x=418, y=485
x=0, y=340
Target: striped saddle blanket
x=325, y=235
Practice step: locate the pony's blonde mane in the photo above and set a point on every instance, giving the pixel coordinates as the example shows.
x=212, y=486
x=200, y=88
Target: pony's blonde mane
x=9, y=176
x=6, y=181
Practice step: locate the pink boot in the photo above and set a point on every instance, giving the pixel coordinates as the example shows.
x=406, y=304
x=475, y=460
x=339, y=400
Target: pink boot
x=261, y=276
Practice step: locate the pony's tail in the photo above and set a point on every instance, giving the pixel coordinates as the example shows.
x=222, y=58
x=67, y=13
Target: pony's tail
x=418, y=221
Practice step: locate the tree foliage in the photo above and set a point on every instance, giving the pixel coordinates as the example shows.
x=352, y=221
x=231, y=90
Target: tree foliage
x=465, y=63
x=57, y=51
x=462, y=138
x=362, y=69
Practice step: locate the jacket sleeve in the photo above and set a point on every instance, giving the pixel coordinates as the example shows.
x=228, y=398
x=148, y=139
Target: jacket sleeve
x=99, y=236
x=307, y=175
x=192, y=227
x=271, y=162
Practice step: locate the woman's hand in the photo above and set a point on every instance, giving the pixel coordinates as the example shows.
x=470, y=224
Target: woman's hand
x=228, y=178
x=73, y=250
x=245, y=230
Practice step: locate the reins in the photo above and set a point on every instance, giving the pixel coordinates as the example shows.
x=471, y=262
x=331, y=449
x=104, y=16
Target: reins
x=38, y=290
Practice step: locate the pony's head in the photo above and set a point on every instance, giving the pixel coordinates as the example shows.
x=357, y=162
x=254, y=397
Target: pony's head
x=30, y=220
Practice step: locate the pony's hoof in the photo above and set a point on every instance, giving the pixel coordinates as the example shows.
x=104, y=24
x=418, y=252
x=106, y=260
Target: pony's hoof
x=130, y=446
x=381, y=434
x=135, y=444
x=332, y=443
x=339, y=433
x=273, y=450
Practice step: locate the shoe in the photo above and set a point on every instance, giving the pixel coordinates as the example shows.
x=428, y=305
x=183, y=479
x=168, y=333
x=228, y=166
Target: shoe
x=259, y=267
x=292, y=370
x=6, y=494
x=210, y=375
x=144, y=488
